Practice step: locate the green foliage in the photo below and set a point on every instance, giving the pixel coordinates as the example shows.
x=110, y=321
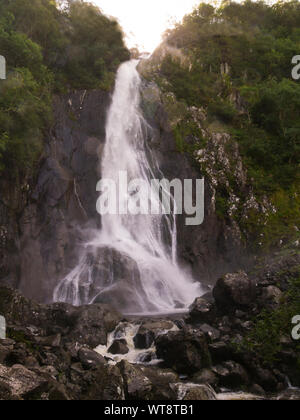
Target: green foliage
x=223, y=110
x=265, y=339
x=188, y=136
x=95, y=48
x=244, y=50
x=48, y=50
x=222, y=203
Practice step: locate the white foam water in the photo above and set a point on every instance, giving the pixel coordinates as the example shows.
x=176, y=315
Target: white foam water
x=149, y=240
x=127, y=331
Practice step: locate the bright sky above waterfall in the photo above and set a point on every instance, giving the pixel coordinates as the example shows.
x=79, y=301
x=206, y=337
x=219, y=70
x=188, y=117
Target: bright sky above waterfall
x=144, y=21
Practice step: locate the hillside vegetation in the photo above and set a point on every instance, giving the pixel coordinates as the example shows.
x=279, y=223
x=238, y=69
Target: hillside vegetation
x=237, y=67
x=48, y=50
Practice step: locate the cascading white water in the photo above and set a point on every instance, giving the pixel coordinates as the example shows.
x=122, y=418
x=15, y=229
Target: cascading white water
x=157, y=284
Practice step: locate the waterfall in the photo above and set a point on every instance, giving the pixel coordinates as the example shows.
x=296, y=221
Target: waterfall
x=131, y=262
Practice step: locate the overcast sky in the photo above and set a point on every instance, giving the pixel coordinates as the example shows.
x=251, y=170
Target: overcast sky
x=144, y=21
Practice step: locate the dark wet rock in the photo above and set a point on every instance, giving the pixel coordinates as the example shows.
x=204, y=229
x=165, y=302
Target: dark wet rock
x=202, y=311
x=200, y=393
x=265, y=378
x=77, y=372
x=72, y=349
x=46, y=371
x=58, y=392
x=31, y=362
x=92, y=323
x=240, y=314
x=180, y=323
x=211, y=333
x=221, y=351
x=193, y=392
x=205, y=376
x=4, y=351
x=149, y=330
x=90, y=359
x=146, y=357
x=87, y=325
x=231, y=375
x=103, y=383
x=234, y=291
x=257, y=390
x=137, y=385
x=119, y=347
x=45, y=217
x=183, y=351
x=158, y=325
x=52, y=341
x=144, y=338
x=161, y=380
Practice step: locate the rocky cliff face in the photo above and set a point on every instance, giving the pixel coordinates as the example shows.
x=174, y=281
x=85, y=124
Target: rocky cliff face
x=215, y=247
x=43, y=221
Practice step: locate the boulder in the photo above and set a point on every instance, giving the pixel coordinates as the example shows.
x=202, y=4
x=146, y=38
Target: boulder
x=234, y=291
x=200, y=393
x=231, y=375
x=205, y=376
x=211, y=333
x=161, y=380
x=192, y=392
x=202, y=311
x=119, y=347
x=18, y=382
x=90, y=359
x=86, y=325
x=149, y=330
x=144, y=338
x=271, y=295
x=137, y=385
x=221, y=351
x=103, y=383
x=265, y=378
x=5, y=350
x=184, y=351
x=92, y=323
